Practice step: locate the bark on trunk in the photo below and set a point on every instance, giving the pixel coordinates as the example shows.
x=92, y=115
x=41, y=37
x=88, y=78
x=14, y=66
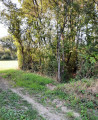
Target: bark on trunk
x=63, y=54
x=58, y=58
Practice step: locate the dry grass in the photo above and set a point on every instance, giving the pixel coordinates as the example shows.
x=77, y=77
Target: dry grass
x=5, y=65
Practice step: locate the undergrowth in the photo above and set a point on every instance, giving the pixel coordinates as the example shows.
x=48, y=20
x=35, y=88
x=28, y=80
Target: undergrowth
x=78, y=95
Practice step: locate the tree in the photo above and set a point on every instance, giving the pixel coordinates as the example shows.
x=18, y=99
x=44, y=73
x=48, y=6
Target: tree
x=51, y=36
x=8, y=43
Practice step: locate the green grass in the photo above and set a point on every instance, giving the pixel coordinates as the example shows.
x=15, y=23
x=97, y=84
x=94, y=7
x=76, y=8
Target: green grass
x=26, y=80
x=1, y=118
x=76, y=93
x=13, y=107
x=70, y=114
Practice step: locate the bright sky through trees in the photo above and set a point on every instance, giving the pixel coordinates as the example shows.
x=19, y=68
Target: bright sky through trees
x=3, y=29
x=56, y=38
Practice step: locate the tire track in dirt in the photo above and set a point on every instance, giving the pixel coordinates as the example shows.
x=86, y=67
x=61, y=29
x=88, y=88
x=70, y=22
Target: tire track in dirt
x=46, y=112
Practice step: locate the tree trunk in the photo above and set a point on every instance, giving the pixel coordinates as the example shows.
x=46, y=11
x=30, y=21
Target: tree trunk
x=63, y=56
x=23, y=61
x=58, y=59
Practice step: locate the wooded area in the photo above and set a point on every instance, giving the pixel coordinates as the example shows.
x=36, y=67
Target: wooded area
x=57, y=38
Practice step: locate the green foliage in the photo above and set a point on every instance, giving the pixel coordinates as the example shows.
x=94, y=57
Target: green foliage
x=88, y=66
x=7, y=48
x=5, y=54
x=90, y=104
x=57, y=38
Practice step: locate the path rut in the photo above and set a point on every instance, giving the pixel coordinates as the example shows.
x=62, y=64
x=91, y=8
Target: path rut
x=46, y=112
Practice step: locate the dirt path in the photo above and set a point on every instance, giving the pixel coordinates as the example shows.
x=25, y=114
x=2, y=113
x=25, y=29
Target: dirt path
x=46, y=112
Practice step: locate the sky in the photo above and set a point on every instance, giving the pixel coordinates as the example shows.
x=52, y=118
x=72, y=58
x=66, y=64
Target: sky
x=3, y=29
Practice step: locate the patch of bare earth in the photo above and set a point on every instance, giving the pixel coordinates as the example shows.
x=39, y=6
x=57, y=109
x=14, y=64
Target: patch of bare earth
x=49, y=113
x=94, y=87
x=50, y=86
x=3, y=84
